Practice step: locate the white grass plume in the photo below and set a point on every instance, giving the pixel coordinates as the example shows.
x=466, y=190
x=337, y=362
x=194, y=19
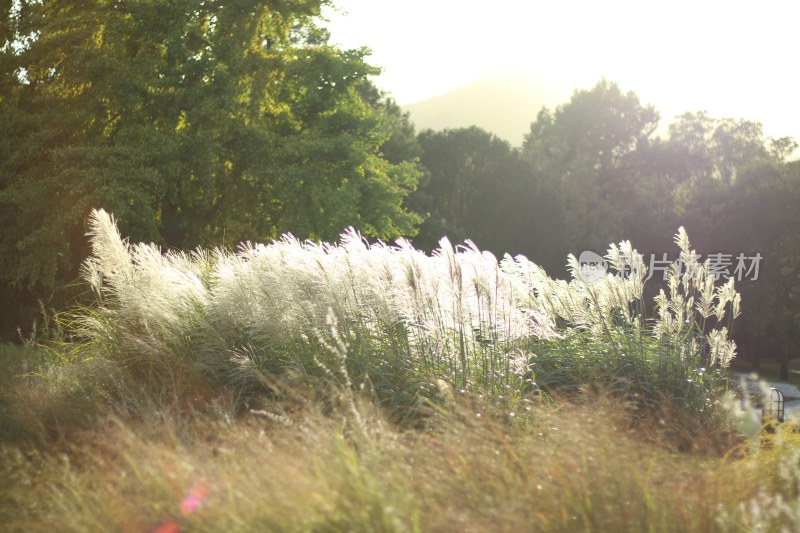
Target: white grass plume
x=458, y=314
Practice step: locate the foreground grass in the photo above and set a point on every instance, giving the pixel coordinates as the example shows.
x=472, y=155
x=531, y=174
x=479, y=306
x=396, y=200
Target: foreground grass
x=291, y=465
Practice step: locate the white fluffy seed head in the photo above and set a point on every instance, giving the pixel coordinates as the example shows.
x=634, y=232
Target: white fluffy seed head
x=450, y=303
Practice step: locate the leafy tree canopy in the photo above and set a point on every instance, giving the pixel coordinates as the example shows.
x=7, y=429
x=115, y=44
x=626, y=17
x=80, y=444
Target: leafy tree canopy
x=195, y=122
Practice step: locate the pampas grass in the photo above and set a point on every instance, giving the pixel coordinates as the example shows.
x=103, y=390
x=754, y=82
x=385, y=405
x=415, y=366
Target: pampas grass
x=402, y=322
x=261, y=390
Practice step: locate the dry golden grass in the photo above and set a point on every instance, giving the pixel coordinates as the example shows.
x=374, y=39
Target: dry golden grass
x=560, y=468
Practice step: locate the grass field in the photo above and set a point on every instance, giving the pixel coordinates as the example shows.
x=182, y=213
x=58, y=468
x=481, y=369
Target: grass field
x=298, y=387
x=291, y=464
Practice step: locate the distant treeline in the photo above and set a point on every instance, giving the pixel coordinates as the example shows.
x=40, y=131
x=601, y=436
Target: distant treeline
x=593, y=172
x=210, y=123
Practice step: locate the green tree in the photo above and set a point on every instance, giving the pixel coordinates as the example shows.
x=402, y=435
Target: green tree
x=757, y=216
x=582, y=169
x=401, y=144
x=737, y=194
x=195, y=122
x=467, y=189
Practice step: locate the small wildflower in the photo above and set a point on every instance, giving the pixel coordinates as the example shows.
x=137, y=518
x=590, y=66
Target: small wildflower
x=194, y=498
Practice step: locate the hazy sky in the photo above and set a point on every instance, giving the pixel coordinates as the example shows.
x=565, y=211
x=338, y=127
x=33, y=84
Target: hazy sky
x=736, y=59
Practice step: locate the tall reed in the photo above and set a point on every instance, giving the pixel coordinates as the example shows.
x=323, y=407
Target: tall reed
x=402, y=321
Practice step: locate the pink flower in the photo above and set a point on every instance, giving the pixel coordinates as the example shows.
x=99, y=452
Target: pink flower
x=194, y=498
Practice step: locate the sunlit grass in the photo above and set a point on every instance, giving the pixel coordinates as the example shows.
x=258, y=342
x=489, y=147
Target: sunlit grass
x=306, y=387
x=400, y=321
x=567, y=467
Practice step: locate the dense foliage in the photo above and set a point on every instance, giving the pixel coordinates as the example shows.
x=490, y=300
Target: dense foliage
x=195, y=122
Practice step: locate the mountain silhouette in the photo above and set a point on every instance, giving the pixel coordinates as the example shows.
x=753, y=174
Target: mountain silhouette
x=504, y=104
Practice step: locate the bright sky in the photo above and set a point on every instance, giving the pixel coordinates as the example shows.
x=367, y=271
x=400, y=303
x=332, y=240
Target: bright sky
x=736, y=59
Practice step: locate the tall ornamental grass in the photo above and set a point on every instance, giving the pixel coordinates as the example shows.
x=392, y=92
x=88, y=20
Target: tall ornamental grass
x=405, y=324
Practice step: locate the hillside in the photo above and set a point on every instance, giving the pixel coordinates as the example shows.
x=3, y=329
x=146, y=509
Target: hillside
x=504, y=104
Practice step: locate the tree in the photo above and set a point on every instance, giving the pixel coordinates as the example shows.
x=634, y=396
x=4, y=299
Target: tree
x=759, y=216
x=596, y=128
x=581, y=169
x=738, y=195
x=195, y=122
x=401, y=144
x=467, y=189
